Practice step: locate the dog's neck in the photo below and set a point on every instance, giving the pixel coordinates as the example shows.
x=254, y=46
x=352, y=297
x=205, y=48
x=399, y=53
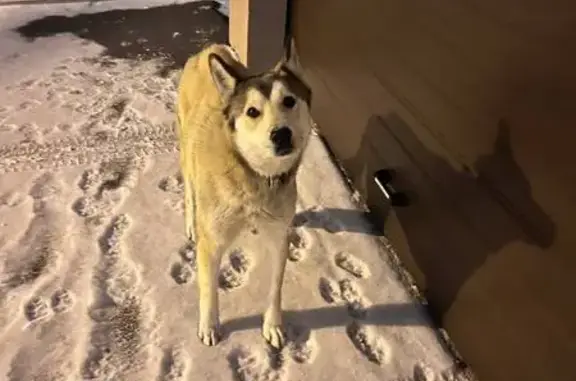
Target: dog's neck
x=275, y=181
x=281, y=179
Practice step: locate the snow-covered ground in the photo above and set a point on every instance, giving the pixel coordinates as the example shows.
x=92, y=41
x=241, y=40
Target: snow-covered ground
x=97, y=280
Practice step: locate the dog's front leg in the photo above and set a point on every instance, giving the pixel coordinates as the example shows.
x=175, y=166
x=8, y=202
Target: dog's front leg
x=272, y=329
x=209, y=254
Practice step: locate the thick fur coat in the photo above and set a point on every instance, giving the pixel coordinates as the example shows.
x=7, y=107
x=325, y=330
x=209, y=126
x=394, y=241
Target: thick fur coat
x=241, y=139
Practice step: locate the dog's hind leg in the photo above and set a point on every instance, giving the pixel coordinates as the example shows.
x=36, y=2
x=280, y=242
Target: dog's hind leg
x=185, y=168
x=272, y=329
x=189, y=209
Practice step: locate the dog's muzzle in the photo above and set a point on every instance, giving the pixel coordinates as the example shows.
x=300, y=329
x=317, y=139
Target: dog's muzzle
x=281, y=137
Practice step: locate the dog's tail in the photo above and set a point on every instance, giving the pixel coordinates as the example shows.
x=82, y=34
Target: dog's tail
x=196, y=88
x=226, y=52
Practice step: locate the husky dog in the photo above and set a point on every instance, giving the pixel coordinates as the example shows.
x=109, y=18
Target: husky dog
x=241, y=141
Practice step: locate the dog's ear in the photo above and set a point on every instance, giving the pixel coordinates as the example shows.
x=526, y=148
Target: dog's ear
x=224, y=76
x=285, y=69
x=278, y=68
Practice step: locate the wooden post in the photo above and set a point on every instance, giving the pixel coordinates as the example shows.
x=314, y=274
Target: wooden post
x=256, y=31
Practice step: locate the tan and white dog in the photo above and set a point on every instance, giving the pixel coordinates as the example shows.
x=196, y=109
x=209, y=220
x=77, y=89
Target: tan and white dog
x=241, y=141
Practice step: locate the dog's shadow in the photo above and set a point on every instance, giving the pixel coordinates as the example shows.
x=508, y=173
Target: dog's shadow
x=335, y=220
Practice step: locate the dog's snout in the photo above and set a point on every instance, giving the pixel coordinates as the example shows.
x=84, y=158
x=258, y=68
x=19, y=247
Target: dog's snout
x=281, y=137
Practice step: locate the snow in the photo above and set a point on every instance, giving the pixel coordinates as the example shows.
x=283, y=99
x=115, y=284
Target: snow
x=96, y=278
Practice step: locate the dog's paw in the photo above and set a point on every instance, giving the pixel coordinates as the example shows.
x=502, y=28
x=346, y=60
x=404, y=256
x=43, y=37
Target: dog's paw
x=209, y=334
x=272, y=330
x=274, y=335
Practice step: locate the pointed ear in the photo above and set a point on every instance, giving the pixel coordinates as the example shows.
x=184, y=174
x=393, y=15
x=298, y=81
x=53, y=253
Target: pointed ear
x=278, y=68
x=283, y=68
x=224, y=76
x=304, y=90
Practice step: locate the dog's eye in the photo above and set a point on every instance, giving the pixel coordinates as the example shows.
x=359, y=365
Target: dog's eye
x=289, y=102
x=253, y=112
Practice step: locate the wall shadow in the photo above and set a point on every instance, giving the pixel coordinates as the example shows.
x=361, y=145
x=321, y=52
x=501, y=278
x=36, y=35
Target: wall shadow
x=171, y=32
x=459, y=218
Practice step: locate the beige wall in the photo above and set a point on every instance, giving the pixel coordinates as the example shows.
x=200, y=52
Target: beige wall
x=474, y=104
x=257, y=31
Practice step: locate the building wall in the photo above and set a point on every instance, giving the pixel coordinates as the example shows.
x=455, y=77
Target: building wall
x=473, y=103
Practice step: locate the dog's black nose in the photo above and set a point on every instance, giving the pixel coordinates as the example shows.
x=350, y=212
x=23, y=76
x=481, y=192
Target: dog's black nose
x=281, y=137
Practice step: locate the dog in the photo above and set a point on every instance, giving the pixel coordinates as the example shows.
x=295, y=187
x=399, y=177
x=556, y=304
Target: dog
x=241, y=140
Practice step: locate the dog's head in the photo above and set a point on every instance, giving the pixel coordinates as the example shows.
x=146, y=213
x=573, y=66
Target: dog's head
x=268, y=114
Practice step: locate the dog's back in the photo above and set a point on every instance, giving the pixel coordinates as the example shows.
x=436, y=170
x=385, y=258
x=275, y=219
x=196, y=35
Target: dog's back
x=197, y=93
x=200, y=105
